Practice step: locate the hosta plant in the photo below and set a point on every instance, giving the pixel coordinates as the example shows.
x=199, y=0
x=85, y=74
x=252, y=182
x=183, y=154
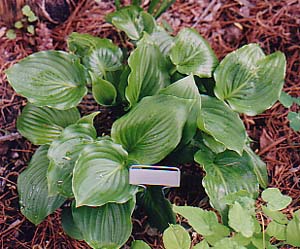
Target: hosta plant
x=243, y=229
x=178, y=101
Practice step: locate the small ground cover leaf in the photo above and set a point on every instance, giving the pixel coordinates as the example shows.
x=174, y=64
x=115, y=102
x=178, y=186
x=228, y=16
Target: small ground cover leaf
x=176, y=237
x=275, y=200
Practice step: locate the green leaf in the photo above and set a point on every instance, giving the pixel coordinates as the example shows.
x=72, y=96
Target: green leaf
x=158, y=208
x=153, y=128
x=11, y=34
x=261, y=241
x=228, y=243
x=277, y=230
x=148, y=71
x=192, y=54
x=69, y=225
x=203, y=222
x=226, y=173
x=26, y=10
x=240, y=239
x=101, y=175
x=202, y=245
x=213, y=144
x=250, y=81
x=42, y=125
x=293, y=230
x=108, y=226
x=237, y=214
x=176, y=237
x=49, y=78
x=258, y=166
x=157, y=7
x=275, y=215
x=139, y=244
x=104, y=92
x=32, y=18
x=133, y=21
x=163, y=40
x=35, y=204
x=186, y=88
x=18, y=25
x=294, y=119
x=286, y=100
x=64, y=152
x=219, y=121
x=275, y=200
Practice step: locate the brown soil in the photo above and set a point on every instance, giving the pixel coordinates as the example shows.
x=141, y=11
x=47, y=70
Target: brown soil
x=227, y=25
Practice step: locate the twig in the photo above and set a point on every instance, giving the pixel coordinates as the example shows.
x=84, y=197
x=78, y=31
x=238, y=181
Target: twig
x=10, y=137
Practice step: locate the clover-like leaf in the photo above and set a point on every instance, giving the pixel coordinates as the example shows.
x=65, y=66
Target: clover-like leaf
x=101, y=175
x=35, y=203
x=250, y=81
x=42, y=125
x=49, y=78
x=153, y=128
x=108, y=226
x=191, y=54
x=176, y=237
x=148, y=71
x=219, y=121
x=275, y=200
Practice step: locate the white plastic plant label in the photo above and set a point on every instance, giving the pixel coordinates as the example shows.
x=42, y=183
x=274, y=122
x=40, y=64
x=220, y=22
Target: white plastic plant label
x=154, y=175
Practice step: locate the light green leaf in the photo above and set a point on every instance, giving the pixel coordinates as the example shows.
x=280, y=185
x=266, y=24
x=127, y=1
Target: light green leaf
x=18, y=25
x=104, y=92
x=163, y=40
x=30, y=29
x=26, y=10
x=202, y=245
x=226, y=173
x=101, y=175
x=258, y=166
x=237, y=214
x=294, y=119
x=176, y=237
x=148, y=71
x=240, y=239
x=275, y=215
x=42, y=125
x=219, y=121
x=192, y=54
x=133, y=21
x=139, y=244
x=153, y=128
x=64, y=152
x=49, y=78
x=261, y=241
x=157, y=7
x=293, y=230
x=275, y=200
x=228, y=243
x=212, y=143
x=11, y=34
x=277, y=230
x=286, y=100
x=35, y=204
x=203, y=222
x=250, y=81
x=69, y=225
x=105, y=227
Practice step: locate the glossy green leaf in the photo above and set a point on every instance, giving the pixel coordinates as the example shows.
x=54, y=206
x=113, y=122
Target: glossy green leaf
x=202, y=245
x=133, y=21
x=35, y=204
x=49, y=78
x=275, y=200
x=42, y=125
x=293, y=230
x=213, y=144
x=276, y=230
x=163, y=40
x=191, y=54
x=153, y=128
x=294, y=119
x=228, y=243
x=105, y=227
x=64, y=152
x=258, y=166
x=148, y=71
x=275, y=215
x=226, y=173
x=101, y=175
x=237, y=214
x=104, y=92
x=250, y=81
x=158, y=208
x=157, y=7
x=219, y=121
x=139, y=244
x=69, y=226
x=203, y=222
x=176, y=237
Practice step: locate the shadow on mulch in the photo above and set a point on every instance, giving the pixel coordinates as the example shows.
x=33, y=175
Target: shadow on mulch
x=227, y=25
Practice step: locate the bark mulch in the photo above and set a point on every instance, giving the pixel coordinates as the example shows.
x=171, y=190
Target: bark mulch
x=227, y=25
